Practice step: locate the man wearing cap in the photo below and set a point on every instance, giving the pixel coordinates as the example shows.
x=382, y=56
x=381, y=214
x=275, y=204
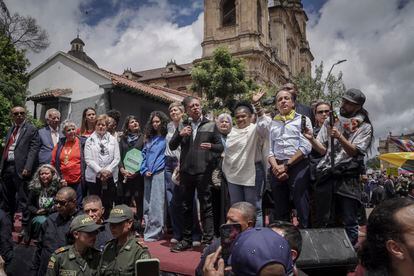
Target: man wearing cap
x=80, y=258
x=337, y=191
x=255, y=252
x=121, y=253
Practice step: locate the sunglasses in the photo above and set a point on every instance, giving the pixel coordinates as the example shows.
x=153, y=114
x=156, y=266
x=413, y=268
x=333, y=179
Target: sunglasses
x=102, y=149
x=61, y=202
x=19, y=113
x=322, y=111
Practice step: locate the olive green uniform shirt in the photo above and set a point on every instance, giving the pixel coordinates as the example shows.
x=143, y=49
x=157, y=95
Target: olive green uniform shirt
x=67, y=262
x=117, y=261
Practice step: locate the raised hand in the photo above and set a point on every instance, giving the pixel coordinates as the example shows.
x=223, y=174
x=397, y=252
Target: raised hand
x=258, y=95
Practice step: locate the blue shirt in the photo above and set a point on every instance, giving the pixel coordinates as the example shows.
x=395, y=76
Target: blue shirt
x=153, y=155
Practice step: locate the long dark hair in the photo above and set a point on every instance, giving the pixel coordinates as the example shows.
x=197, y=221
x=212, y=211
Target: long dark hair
x=125, y=129
x=150, y=131
x=365, y=114
x=83, y=124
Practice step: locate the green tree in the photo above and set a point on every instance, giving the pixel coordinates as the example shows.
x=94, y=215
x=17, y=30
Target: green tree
x=13, y=81
x=311, y=87
x=222, y=80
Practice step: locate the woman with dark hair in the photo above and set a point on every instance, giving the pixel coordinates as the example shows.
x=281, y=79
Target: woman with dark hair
x=239, y=162
x=42, y=191
x=88, y=122
x=152, y=169
x=131, y=184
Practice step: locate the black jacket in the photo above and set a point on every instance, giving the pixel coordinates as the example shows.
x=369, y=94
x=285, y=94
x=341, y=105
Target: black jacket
x=52, y=236
x=27, y=148
x=193, y=159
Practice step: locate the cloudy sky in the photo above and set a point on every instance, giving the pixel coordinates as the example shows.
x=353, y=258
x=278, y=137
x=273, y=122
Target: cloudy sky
x=375, y=36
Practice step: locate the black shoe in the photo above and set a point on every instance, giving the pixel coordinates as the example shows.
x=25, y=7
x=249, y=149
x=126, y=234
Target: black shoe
x=181, y=246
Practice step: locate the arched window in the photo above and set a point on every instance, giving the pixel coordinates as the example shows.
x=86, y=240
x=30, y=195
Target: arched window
x=259, y=17
x=228, y=12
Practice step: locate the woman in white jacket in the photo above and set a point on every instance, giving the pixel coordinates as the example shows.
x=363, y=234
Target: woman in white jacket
x=102, y=159
x=239, y=163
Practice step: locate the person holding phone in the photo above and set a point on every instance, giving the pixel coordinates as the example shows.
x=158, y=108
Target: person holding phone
x=288, y=154
x=240, y=213
x=121, y=253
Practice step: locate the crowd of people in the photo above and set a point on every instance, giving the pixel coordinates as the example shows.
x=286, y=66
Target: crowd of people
x=186, y=173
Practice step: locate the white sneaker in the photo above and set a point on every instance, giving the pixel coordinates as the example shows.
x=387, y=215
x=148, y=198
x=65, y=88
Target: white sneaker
x=174, y=241
x=196, y=243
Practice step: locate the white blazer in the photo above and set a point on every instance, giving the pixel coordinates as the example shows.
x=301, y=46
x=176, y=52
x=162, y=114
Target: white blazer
x=92, y=149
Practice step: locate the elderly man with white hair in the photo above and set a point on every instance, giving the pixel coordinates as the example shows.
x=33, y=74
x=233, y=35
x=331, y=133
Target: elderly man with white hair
x=49, y=135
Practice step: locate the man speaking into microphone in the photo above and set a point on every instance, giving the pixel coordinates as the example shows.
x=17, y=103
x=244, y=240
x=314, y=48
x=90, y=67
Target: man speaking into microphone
x=337, y=191
x=199, y=140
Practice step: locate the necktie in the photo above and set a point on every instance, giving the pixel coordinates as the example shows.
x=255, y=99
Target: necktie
x=11, y=141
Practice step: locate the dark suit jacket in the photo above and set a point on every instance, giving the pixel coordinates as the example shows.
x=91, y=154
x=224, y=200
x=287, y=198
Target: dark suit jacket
x=305, y=110
x=27, y=147
x=46, y=145
x=193, y=159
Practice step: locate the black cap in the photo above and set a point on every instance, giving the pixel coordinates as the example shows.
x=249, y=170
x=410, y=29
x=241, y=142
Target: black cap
x=354, y=96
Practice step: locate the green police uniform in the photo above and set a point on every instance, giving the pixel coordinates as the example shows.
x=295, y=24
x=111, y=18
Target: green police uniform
x=67, y=262
x=120, y=260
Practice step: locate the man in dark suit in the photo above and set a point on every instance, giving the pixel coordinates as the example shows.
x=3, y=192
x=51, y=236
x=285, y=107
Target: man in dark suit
x=17, y=164
x=299, y=108
x=200, y=141
x=49, y=136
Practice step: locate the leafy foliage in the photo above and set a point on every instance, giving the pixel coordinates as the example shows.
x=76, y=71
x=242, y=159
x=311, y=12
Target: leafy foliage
x=221, y=81
x=21, y=31
x=311, y=87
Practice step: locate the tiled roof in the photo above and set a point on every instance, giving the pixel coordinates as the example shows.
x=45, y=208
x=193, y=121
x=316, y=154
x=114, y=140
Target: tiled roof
x=161, y=73
x=158, y=92
x=54, y=93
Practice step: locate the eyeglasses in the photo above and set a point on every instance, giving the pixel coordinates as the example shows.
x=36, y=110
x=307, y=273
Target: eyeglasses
x=61, y=202
x=19, y=113
x=322, y=111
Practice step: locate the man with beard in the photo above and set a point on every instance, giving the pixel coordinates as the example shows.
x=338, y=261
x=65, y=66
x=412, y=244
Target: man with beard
x=337, y=190
x=389, y=246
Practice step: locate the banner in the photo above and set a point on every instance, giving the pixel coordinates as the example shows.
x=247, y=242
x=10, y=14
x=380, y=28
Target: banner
x=133, y=160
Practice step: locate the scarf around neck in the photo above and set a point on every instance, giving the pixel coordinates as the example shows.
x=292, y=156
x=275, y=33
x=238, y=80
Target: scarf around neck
x=285, y=118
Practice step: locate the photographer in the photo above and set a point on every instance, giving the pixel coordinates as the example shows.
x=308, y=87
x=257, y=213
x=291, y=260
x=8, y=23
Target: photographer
x=337, y=189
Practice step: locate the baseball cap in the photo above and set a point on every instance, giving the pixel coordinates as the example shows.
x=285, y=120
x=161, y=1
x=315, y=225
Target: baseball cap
x=120, y=213
x=84, y=223
x=255, y=248
x=355, y=96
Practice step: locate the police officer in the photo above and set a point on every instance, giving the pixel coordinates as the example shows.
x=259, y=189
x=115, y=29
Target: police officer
x=120, y=254
x=80, y=258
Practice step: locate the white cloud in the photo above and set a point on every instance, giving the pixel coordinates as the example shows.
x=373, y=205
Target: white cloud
x=377, y=40
x=131, y=38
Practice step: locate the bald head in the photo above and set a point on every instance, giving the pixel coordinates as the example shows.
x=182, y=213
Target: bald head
x=68, y=193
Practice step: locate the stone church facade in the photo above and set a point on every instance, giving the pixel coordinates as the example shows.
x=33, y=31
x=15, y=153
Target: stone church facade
x=269, y=35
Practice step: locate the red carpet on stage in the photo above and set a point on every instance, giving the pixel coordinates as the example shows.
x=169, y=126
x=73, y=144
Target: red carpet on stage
x=183, y=263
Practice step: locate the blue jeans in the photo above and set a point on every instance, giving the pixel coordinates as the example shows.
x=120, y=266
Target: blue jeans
x=260, y=180
x=171, y=189
x=240, y=193
x=154, y=201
